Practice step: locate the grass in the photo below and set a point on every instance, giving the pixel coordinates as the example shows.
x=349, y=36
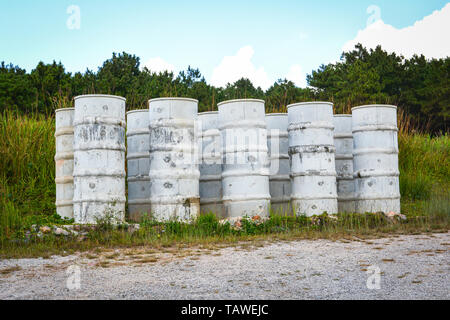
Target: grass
x=27, y=196
x=424, y=165
x=206, y=231
x=27, y=172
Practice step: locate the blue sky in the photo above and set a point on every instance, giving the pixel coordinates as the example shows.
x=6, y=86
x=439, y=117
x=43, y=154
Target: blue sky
x=266, y=39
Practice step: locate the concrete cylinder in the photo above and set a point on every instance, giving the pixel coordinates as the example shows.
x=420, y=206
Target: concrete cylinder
x=138, y=164
x=174, y=174
x=210, y=164
x=64, y=162
x=375, y=158
x=99, y=159
x=311, y=152
x=279, y=180
x=343, y=141
x=245, y=169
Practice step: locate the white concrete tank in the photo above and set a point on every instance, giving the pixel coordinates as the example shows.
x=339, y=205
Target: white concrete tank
x=174, y=174
x=138, y=164
x=375, y=158
x=210, y=164
x=245, y=169
x=64, y=162
x=343, y=141
x=279, y=179
x=311, y=151
x=99, y=159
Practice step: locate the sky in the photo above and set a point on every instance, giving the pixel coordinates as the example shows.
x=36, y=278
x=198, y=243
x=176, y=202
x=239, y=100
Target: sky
x=261, y=40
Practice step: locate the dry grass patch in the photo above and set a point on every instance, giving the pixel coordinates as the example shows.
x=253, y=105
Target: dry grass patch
x=112, y=256
x=104, y=264
x=403, y=275
x=147, y=260
x=8, y=270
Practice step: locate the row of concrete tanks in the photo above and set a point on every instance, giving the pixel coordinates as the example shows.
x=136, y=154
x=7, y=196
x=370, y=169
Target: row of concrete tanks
x=235, y=162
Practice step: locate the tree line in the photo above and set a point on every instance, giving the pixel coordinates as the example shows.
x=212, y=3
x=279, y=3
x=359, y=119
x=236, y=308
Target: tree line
x=419, y=86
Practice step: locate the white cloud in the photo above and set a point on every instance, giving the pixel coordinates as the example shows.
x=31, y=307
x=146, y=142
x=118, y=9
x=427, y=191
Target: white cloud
x=158, y=65
x=428, y=36
x=297, y=76
x=232, y=68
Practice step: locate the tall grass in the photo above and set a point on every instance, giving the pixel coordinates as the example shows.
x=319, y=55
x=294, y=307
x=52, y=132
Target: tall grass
x=27, y=170
x=424, y=165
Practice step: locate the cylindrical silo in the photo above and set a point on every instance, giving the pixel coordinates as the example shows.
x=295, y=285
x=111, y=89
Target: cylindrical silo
x=245, y=169
x=138, y=164
x=64, y=162
x=311, y=151
x=210, y=164
x=343, y=141
x=375, y=158
x=279, y=180
x=174, y=174
x=99, y=159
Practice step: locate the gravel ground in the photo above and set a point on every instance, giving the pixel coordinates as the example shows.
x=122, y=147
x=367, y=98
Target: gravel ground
x=411, y=267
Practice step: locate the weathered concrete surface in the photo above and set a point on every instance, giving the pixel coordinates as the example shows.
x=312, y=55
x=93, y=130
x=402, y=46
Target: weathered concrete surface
x=412, y=267
x=375, y=158
x=64, y=161
x=138, y=163
x=173, y=168
x=279, y=180
x=343, y=141
x=245, y=169
x=210, y=165
x=312, y=158
x=99, y=158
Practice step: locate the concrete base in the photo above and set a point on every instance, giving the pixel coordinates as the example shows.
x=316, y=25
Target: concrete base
x=248, y=208
x=378, y=205
x=310, y=207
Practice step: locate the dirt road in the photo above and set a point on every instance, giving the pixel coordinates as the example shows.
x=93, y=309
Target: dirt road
x=405, y=267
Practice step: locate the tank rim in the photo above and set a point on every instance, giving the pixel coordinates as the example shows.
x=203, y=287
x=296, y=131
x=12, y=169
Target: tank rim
x=99, y=96
x=208, y=112
x=300, y=104
x=240, y=100
x=276, y=114
x=136, y=110
x=375, y=106
x=64, y=109
x=172, y=99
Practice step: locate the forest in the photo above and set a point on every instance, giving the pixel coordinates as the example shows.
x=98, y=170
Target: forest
x=418, y=86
